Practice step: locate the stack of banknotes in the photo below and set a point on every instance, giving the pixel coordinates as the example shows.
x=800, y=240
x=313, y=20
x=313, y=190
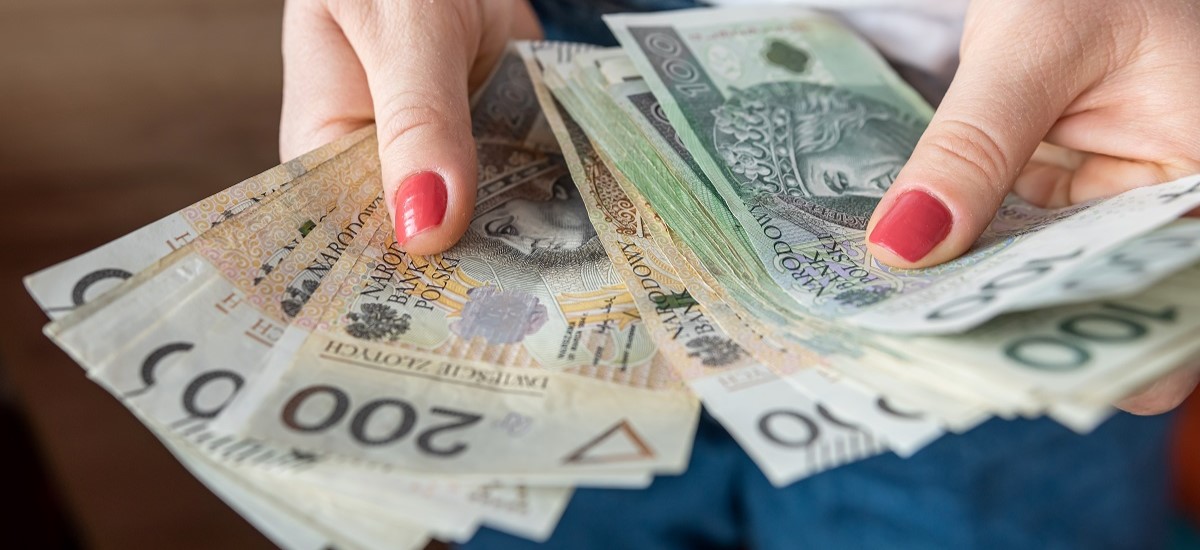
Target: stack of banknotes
x=674, y=222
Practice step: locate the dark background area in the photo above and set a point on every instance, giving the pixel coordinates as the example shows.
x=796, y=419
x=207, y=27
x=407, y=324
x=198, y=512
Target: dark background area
x=114, y=113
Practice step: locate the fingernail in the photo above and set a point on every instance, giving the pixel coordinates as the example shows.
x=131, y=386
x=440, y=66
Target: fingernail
x=420, y=205
x=915, y=225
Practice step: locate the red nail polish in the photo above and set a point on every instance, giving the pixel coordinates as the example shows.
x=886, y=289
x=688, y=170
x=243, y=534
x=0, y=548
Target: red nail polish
x=420, y=205
x=915, y=225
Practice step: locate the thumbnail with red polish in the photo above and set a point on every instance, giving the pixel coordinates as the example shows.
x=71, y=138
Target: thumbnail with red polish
x=420, y=205
x=916, y=223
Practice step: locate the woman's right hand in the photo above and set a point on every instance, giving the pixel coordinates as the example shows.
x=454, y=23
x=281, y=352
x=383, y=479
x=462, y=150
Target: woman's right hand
x=408, y=66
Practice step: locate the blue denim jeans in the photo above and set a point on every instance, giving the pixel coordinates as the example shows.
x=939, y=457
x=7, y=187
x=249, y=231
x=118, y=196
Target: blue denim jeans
x=1005, y=484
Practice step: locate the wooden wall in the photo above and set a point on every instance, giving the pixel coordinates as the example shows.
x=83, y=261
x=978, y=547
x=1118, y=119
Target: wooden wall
x=112, y=114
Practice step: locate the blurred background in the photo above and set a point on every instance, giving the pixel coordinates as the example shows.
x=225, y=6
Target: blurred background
x=114, y=113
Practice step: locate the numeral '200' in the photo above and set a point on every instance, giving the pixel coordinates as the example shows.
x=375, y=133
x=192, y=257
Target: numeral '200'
x=358, y=423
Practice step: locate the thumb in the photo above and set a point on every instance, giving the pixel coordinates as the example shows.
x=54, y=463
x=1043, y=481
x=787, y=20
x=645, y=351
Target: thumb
x=418, y=57
x=1001, y=104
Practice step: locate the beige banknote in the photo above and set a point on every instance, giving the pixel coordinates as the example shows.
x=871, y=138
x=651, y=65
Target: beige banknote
x=143, y=378
x=69, y=285
x=454, y=349
x=492, y=345
x=239, y=289
x=61, y=288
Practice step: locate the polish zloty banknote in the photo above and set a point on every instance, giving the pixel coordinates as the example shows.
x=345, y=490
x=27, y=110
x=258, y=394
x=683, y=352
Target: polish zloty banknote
x=788, y=435
x=1056, y=258
x=1128, y=269
x=578, y=97
x=219, y=309
x=598, y=69
x=334, y=526
x=1093, y=353
x=730, y=274
x=68, y=285
x=904, y=431
x=145, y=340
x=1133, y=267
x=279, y=266
x=526, y=299
x=61, y=288
x=778, y=107
x=471, y=362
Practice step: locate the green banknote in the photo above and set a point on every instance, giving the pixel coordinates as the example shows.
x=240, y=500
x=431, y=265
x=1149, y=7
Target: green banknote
x=790, y=434
x=801, y=127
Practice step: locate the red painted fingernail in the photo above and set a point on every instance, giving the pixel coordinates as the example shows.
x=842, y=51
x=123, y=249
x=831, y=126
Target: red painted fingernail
x=420, y=205
x=915, y=225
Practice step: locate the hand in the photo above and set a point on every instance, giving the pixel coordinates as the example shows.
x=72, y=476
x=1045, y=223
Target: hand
x=408, y=66
x=1112, y=86
x=1164, y=394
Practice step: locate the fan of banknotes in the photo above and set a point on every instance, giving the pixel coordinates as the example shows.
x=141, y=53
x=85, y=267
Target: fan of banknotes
x=674, y=222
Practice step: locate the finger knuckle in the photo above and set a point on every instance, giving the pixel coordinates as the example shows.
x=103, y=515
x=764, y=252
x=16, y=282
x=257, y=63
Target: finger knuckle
x=452, y=17
x=353, y=15
x=968, y=146
x=407, y=116
x=1189, y=144
x=466, y=16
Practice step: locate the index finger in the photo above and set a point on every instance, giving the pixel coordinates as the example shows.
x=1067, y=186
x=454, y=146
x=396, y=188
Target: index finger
x=325, y=94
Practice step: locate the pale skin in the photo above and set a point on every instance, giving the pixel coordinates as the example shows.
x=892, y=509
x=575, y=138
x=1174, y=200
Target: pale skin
x=1106, y=93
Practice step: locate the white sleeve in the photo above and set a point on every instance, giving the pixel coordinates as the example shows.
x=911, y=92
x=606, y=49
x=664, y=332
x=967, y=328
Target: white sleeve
x=923, y=34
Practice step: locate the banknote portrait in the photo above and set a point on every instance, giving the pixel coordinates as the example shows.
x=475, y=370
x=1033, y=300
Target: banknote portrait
x=528, y=223
x=828, y=151
x=530, y=244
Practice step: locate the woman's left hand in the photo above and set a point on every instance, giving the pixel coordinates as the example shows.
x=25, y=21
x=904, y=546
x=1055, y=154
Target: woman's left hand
x=1115, y=85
